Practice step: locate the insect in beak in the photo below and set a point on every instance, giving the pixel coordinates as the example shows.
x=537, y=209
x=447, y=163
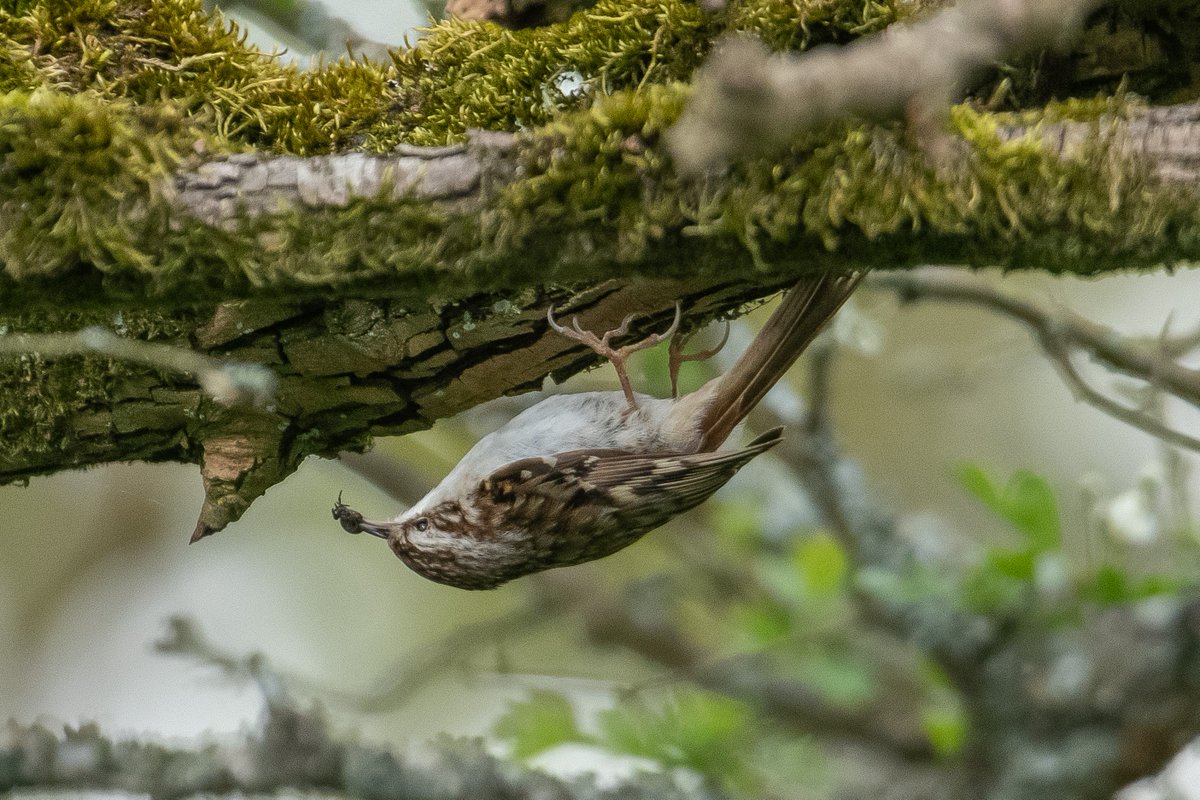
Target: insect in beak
x=353, y=522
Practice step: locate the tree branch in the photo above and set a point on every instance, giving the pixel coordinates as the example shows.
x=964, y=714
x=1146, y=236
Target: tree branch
x=748, y=101
x=294, y=750
x=390, y=289
x=1061, y=334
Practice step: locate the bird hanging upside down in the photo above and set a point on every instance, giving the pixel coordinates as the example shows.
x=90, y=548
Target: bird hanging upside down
x=580, y=476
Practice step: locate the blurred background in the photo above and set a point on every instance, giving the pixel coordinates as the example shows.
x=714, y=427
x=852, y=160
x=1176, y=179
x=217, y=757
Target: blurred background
x=93, y=563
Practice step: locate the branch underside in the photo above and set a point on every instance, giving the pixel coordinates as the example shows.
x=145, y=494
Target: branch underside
x=385, y=291
x=387, y=363
x=346, y=370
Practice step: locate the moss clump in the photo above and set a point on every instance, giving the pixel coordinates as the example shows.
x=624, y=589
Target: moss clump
x=75, y=171
x=801, y=24
x=602, y=175
x=155, y=51
x=460, y=75
x=475, y=75
x=466, y=74
x=871, y=194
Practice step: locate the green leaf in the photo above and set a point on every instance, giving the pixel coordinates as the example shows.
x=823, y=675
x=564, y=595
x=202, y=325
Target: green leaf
x=943, y=716
x=843, y=678
x=946, y=729
x=1026, y=502
x=535, y=725
x=1110, y=585
x=823, y=564
x=975, y=480
x=1019, y=565
x=697, y=730
x=990, y=591
x=763, y=623
x=1033, y=510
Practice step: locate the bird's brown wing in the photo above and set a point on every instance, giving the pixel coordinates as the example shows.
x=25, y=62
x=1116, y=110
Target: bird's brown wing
x=640, y=490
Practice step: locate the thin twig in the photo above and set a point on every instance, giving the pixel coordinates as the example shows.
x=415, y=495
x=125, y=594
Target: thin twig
x=1061, y=334
x=792, y=703
x=227, y=382
x=750, y=101
x=184, y=638
x=414, y=675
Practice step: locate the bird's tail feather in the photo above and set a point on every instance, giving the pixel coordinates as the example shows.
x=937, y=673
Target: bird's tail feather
x=801, y=315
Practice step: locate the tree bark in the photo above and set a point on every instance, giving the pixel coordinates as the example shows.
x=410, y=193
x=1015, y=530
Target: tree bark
x=389, y=289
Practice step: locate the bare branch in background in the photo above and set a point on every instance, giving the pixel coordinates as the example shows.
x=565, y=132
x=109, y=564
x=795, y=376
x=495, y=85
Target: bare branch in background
x=1062, y=335
x=409, y=678
x=405, y=680
x=626, y=623
x=295, y=749
x=227, y=382
x=749, y=101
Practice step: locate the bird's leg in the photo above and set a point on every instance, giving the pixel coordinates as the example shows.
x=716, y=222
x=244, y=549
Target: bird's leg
x=676, y=356
x=617, y=355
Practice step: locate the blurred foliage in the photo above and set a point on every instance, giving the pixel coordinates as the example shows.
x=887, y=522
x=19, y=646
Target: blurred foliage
x=719, y=739
x=1012, y=576
x=795, y=612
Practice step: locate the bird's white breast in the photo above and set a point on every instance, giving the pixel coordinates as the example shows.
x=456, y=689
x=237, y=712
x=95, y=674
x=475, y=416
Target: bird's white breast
x=565, y=422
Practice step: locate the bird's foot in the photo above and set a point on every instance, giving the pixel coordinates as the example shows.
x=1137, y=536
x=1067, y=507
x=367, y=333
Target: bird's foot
x=676, y=356
x=617, y=355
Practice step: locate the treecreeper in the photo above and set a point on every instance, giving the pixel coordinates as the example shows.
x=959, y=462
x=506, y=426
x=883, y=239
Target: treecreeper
x=578, y=477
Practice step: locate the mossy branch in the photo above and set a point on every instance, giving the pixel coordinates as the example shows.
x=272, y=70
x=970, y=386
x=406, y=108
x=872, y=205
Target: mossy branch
x=748, y=102
x=294, y=749
x=160, y=177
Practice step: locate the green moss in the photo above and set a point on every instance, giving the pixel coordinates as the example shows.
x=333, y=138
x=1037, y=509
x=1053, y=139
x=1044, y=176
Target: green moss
x=460, y=75
x=43, y=398
x=1074, y=109
x=846, y=195
x=475, y=75
x=75, y=171
x=466, y=74
x=602, y=175
x=151, y=51
x=802, y=24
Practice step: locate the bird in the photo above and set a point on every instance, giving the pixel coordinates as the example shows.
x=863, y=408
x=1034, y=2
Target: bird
x=577, y=477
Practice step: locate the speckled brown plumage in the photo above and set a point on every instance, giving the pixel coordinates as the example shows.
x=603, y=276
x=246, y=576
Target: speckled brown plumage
x=578, y=477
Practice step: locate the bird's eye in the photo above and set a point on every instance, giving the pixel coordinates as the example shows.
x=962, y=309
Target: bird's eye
x=421, y=524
